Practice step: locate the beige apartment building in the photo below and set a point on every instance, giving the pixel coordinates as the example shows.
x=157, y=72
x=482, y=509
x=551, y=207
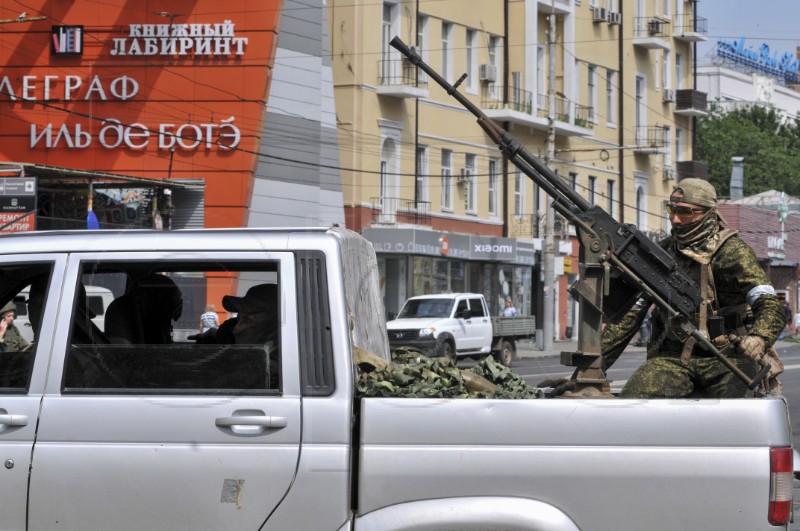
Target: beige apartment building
x=424, y=183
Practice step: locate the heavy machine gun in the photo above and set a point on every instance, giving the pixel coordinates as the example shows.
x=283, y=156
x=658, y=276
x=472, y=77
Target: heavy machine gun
x=618, y=263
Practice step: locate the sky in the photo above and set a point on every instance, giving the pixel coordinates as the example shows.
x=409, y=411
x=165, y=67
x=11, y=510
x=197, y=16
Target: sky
x=774, y=22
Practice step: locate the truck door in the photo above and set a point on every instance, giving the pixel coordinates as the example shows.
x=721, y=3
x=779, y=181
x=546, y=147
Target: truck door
x=461, y=331
x=481, y=325
x=23, y=368
x=141, y=432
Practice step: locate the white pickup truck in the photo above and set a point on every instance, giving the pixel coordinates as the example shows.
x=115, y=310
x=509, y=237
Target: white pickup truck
x=458, y=324
x=101, y=431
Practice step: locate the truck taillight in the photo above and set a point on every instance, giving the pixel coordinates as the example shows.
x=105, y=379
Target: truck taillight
x=780, y=485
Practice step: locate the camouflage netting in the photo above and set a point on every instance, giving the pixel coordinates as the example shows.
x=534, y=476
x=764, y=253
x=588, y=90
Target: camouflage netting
x=413, y=375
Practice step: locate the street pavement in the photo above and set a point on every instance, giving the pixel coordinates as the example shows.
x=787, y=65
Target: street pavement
x=526, y=348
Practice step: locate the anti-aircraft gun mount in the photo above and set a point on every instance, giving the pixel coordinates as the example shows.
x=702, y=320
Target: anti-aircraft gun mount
x=617, y=262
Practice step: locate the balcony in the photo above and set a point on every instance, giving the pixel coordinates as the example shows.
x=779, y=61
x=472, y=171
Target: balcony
x=651, y=33
x=690, y=28
x=524, y=226
x=401, y=79
x=649, y=139
x=395, y=211
x=690, y=102
x=521, y=109
x=692, y=168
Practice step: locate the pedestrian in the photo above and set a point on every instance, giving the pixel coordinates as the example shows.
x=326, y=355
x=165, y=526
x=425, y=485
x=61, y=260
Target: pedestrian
x=732, y=283
x=797, y=323
x=509, y=310
x=209, y=319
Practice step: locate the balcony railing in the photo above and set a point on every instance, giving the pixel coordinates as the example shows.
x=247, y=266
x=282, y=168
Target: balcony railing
x=690, y=27
x=399, y=77
x=651, y=27
x=561, y=111
x=396, y=210
x=584, y=116
x=524, y=226
x=690, y=102
x=650, y=138
x=518, y=99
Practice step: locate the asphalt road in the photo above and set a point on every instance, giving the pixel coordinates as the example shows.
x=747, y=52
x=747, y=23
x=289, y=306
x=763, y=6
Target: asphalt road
x=535, y=369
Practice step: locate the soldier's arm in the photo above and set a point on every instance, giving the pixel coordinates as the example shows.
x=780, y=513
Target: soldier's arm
x=739, y=278
x=617, y=336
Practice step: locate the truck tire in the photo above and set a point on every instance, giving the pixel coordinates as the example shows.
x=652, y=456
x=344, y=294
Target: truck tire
x=507, y=353
x=447, y=349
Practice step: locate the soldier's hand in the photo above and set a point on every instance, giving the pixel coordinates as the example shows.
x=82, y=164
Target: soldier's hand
x=751, y=346
x=559, y=385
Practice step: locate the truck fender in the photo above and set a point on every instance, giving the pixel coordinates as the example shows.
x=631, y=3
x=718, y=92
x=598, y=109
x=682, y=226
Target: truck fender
x=467, y=514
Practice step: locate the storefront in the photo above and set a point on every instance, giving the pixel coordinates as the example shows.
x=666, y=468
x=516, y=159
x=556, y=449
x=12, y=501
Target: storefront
x=420, y=262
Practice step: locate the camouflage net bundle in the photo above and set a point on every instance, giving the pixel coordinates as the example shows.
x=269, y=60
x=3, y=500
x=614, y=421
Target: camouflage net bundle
x=413, y=375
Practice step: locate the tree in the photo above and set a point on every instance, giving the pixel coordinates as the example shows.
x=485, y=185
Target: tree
x=770, y=147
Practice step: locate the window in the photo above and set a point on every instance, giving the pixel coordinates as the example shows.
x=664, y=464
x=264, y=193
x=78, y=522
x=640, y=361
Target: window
x=573, y=180
x=422, y=44
x=680, y=68
x=640, y=208
x=611, y=97
x=470, y=188
x=447, y=50
x=667, y=148
x=387, y=32
x=592, y=92
x=23, y=292
x=382, y=184
x=492, y=196
x=666, y=64
x=519, y=193
x=640, y=112
x=472, y=60
x=610, y=205
x=494, y=54
x=592, y=189
x=679, y=147
x=447, y=179
x=148, y=342
x=476, y=308
x=421, y=190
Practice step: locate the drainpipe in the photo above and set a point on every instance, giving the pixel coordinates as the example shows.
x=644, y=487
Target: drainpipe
x=621, y=110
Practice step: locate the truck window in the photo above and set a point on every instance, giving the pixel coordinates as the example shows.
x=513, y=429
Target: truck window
x=22, y=287
x=476, y=307
x=415, y=308
x=151, y=340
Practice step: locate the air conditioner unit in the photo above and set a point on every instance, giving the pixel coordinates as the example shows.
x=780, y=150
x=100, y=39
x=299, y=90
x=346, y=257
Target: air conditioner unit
x=464, y=177
x=669, y=95
x=599, y=14
x=669, y=174
x=488, y=73
x=614, y=18
x=654, y=27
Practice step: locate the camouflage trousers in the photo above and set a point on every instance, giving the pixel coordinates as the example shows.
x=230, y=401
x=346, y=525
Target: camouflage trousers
x=707, y=377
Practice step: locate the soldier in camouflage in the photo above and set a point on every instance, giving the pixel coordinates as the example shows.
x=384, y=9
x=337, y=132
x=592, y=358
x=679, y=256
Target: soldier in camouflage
x=734, y=288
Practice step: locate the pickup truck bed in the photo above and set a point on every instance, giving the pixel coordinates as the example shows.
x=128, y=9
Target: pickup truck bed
x=597, y=464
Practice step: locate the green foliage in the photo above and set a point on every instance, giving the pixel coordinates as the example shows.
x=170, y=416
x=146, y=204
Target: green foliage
x=771, y=149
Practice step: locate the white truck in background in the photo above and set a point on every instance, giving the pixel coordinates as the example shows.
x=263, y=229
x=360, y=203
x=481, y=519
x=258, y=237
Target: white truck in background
x=458, y=324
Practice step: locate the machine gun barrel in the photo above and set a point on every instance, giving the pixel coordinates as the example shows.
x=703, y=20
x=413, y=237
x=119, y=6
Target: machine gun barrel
x=642, y=265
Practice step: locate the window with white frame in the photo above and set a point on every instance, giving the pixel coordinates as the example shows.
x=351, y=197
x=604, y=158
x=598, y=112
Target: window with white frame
x=422, y=44
x=447, y=50
x=612, y=6
x=388, y=30
x=472, y=60
x=680, y=68
x=592, y=189
x=493, y=183
x=421, y=191
x=471, y=186
x=495, y=54
x=679, y=141
x=666, y=8
x=610, y=197
x=666, y=70
x=641, y=208
x=611, y=97
x=640, y=112
x=667, y=148
x=573, y=181
x=591, y=83
x=447, y=179
x=519, y=193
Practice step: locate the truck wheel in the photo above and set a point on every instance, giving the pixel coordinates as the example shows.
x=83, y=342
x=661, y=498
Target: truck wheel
x=507, y=353
x=446, y=350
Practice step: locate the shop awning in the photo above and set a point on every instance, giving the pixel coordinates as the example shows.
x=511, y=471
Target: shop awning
x=58, y=177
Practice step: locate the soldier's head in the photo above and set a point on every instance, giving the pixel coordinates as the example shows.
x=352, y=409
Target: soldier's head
x=691, y=201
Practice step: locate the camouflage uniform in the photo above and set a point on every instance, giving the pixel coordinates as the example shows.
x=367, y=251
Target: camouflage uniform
x=737, y=280
x=12, y=341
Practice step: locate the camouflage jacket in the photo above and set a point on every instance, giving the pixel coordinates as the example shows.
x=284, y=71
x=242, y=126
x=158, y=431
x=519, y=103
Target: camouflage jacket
x=735, y=270
x=13, y=341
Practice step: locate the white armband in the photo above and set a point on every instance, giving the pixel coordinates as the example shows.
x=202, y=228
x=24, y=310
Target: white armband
x=754, y=294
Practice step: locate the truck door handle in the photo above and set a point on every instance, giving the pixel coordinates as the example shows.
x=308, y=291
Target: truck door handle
x=265, y=421
x=14, y=420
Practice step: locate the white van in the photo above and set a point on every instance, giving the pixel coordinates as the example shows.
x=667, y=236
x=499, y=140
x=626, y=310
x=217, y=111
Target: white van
x=97, y=300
